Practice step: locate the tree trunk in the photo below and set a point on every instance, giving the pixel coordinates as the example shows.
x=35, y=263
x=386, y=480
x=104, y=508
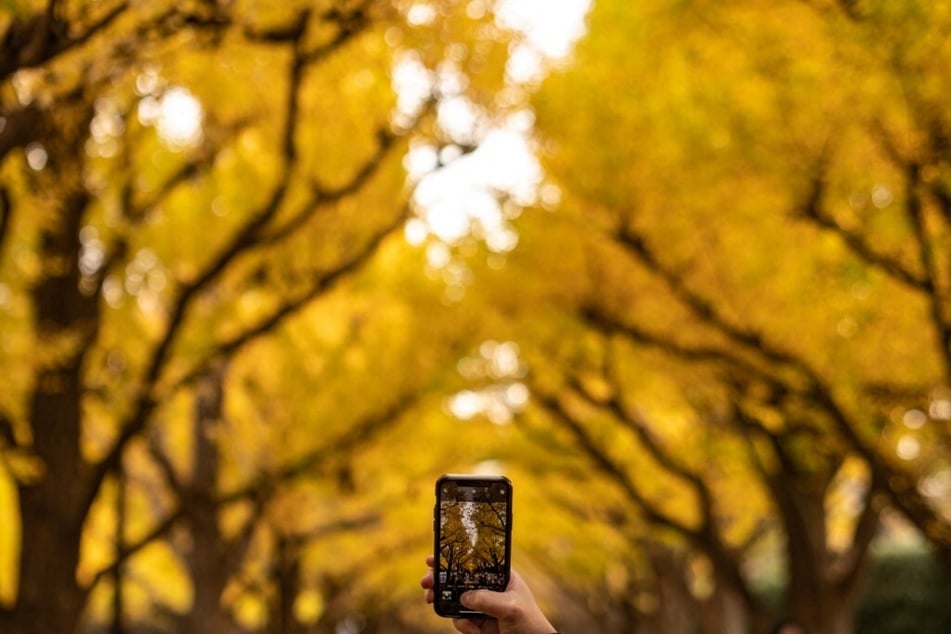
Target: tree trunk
x=677, y=606
x=725, y=611
x=118, y=592
x=817, y=595
x=210, y=559
x=287, y=573
x=52, y=509
x=49, y=599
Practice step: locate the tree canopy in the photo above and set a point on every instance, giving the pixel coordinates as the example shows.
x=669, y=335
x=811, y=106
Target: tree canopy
x=262, y=280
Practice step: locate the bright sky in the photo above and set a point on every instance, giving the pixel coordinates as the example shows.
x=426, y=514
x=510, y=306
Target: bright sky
x=550, y=27
x=461, y=199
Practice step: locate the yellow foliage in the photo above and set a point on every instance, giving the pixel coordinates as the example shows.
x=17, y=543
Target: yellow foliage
x=9, y=539
x=685, y=142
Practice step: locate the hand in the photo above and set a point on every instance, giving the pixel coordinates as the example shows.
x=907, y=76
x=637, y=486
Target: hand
x=514, y=611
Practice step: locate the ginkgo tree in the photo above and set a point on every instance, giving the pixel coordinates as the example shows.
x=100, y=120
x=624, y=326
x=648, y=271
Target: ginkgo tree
x=759, y=193
x=201, y=209
x=727, y=315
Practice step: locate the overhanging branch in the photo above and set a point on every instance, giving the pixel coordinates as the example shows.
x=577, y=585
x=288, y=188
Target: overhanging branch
x=245, y=237
x=45, y=36
x=6, y=212
x=813, y=210
x=359, y=434
x=608, y=466
x=321, y=196
x=322, y=283
x=159, y=530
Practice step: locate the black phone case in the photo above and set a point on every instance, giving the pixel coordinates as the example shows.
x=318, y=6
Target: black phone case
x=447, y=605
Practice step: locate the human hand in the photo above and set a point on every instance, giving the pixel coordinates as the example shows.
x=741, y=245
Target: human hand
x=514, y=611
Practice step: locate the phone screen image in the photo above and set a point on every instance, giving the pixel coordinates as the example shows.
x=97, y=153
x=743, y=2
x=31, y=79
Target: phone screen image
x=473, y=538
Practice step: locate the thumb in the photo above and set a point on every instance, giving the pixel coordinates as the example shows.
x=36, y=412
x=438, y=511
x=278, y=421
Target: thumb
x=486, y=601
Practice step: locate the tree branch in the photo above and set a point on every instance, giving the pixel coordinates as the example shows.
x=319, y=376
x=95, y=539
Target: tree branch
x=360, y=433
x=252, y=235
x=245, y=237
x=165, y=466
x=6, y=212
x=926, y=256
x=708, y=535
x=127, y=550
x=850, y=8
x=195, y=166
x=350, y=23
x=46, y=36
x=704, y=309
x=900, y=486
x=812, y=210
x=21, y=124
x=321, y=196
x=851, y=564
x=607, y=465
x=632, y=420
x=7, y=436
x=357, y=435
x=698, y=354
x=320, y=285
x=914, y=211
x=942, y=195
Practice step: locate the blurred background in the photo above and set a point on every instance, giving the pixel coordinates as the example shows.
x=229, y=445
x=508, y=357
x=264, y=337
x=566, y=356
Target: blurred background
x=680, y=269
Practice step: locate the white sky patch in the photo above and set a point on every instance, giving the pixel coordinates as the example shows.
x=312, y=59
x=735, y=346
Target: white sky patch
x=177, y=116
x=180, y=118
x=550, y=30
x=421, y=14
x=500, y=400
x=461, y=199
x=463, y=196
x=413, y=83
x=460, y=119
x=550, y=27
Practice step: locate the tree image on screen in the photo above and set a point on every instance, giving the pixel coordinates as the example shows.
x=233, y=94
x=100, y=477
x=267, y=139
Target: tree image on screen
x=472, y=541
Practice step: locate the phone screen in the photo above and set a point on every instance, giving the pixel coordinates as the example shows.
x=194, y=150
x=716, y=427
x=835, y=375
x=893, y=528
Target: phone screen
x=473, y=538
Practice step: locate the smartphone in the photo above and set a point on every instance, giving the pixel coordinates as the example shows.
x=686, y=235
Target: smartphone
x=473, y=539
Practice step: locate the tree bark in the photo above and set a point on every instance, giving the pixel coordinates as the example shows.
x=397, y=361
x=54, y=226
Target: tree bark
x=676, y=605
x=287, y=578
x=817, y=595
x=727, y=611
x=51, y=509
x=210, y=559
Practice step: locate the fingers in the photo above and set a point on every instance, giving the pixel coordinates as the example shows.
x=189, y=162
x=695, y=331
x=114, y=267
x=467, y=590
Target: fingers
x=515, y=608
x=427, y=581
x=486, y=601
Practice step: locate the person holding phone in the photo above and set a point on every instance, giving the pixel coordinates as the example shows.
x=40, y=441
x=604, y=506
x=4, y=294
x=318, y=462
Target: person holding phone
x=470, y=578
x=512, y=611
